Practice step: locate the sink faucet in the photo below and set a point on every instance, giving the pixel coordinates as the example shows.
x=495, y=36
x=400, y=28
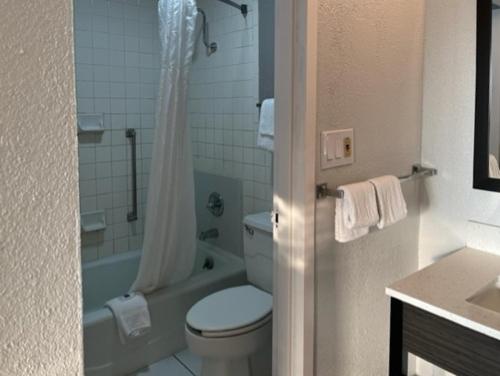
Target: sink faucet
x=213, y=233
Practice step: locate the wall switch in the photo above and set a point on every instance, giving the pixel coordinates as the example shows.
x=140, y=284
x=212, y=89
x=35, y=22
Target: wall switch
x=337, y=148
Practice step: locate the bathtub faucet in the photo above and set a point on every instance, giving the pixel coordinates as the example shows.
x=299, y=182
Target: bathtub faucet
x=213, y=233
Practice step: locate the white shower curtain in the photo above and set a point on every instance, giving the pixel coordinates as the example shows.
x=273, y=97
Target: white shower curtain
x=169, y=247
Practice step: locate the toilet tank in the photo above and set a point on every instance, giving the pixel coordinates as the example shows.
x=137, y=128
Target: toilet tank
x=258, y=249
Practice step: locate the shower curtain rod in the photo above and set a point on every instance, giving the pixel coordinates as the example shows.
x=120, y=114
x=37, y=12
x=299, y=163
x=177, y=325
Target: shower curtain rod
x=243, y=7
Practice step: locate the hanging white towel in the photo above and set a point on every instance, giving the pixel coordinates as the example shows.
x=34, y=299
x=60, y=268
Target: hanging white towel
x=342, y=233
x=390, y=200
x=265, y=137
x=131, y=314
x=355, y=212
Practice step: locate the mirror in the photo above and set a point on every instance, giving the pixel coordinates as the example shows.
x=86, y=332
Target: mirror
x=487, y=132
x=494, y=129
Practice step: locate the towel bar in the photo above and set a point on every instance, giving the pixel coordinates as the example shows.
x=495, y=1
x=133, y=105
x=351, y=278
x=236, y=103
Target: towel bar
x=417, y=172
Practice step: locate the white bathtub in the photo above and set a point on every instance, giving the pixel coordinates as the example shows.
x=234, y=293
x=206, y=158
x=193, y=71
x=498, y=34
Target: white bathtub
x=105, y=279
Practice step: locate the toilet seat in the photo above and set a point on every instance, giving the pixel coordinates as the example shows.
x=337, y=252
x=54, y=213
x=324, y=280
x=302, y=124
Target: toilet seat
x=230, y=312
x=235, y=332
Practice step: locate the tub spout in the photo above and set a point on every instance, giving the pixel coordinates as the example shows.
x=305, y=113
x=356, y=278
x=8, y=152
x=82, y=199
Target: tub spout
x=213, y=233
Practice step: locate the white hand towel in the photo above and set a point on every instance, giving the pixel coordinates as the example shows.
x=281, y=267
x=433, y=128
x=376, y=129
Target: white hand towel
x=390, y=200
x=266, y=125
x=265, y=137
x=359, y=205
x=131, y=315
x=342, y=233
x=356, y=212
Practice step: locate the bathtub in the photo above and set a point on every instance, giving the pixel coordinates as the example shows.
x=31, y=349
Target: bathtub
x=111, y=277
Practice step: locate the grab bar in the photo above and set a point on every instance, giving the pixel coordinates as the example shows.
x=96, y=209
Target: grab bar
x=131, y=134
x=417, y=172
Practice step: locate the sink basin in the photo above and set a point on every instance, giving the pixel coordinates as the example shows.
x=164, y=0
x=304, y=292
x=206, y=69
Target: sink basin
x=488, y=297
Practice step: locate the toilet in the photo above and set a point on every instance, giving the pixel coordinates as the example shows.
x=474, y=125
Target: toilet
x=231, y=330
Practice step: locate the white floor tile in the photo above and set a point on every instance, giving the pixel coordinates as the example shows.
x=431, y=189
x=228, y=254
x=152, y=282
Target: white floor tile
x=191, y=361
x=166, y=367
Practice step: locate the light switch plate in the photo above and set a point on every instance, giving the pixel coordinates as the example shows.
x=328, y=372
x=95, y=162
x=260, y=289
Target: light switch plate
x=337, y=148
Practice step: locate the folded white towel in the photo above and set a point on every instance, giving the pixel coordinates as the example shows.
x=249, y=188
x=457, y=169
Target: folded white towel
x=265, y=137
x=356, y=212
x=131, y=315
x=390, y=200
x=359, y=205
x=342, y=233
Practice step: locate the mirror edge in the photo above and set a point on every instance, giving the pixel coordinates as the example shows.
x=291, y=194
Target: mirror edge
x=481, y=179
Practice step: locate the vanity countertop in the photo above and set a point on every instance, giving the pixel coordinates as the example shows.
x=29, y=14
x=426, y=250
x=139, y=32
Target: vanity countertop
x=444, y=287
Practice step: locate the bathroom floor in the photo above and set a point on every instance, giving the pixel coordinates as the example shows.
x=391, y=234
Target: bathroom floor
x=183, y=363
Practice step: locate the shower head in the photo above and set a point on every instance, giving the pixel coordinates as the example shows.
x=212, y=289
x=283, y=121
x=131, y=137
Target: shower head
x=211, y=47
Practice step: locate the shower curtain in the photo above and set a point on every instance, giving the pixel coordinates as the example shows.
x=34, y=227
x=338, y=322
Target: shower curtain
x=169, y=247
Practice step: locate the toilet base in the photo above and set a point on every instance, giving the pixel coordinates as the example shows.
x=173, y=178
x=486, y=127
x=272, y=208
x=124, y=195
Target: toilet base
x=249, y=354
x=212, y=367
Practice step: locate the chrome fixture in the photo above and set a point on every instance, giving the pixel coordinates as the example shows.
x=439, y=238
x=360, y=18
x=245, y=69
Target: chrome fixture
x=209, y=263
x=417, y=172
x=211, y=47
x=215, y=204
x=250, y=231
x=243, y=7
x=213, y=233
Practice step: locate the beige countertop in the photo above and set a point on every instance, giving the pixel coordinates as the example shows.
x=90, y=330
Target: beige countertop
x=444, y=287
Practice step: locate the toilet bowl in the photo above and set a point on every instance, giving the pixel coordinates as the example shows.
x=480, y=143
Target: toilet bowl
x=231, y=330
x=227, y=328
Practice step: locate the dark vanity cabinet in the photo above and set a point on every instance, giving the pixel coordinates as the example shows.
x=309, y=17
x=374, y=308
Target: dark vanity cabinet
x=449, y=315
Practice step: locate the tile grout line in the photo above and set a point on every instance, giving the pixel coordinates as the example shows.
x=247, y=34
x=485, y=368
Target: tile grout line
x=184, y=365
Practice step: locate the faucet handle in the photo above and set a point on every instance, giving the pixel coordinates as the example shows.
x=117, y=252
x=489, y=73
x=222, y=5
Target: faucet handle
x=212, y=233
x=215, y=204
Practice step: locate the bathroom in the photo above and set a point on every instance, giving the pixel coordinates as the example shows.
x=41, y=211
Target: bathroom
x=118, y=55
x=407, y=85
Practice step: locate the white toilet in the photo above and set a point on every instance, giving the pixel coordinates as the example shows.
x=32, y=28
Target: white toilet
x=231, y=330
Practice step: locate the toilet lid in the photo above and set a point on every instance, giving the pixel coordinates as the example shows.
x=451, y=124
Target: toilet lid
x=230, y=309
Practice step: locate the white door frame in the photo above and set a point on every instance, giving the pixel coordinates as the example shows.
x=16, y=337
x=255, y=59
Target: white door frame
x=294, y=187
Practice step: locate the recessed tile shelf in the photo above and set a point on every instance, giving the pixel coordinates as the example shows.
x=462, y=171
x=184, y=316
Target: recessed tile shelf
x=90, y=123
x=93, y=221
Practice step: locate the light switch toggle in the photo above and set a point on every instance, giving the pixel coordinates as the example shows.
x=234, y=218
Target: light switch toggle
x=332, y=148
x=337, y=148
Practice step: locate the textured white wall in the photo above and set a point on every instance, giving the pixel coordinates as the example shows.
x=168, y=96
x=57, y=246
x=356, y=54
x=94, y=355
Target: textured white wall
x=370, y=79
x=452, y=213
x=40, y=310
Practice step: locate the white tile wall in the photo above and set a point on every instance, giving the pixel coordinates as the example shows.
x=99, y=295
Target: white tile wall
x=117, y=73
x=223, y=94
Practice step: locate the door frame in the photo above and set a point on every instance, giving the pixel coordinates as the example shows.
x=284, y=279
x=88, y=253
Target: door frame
x=294, y=188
